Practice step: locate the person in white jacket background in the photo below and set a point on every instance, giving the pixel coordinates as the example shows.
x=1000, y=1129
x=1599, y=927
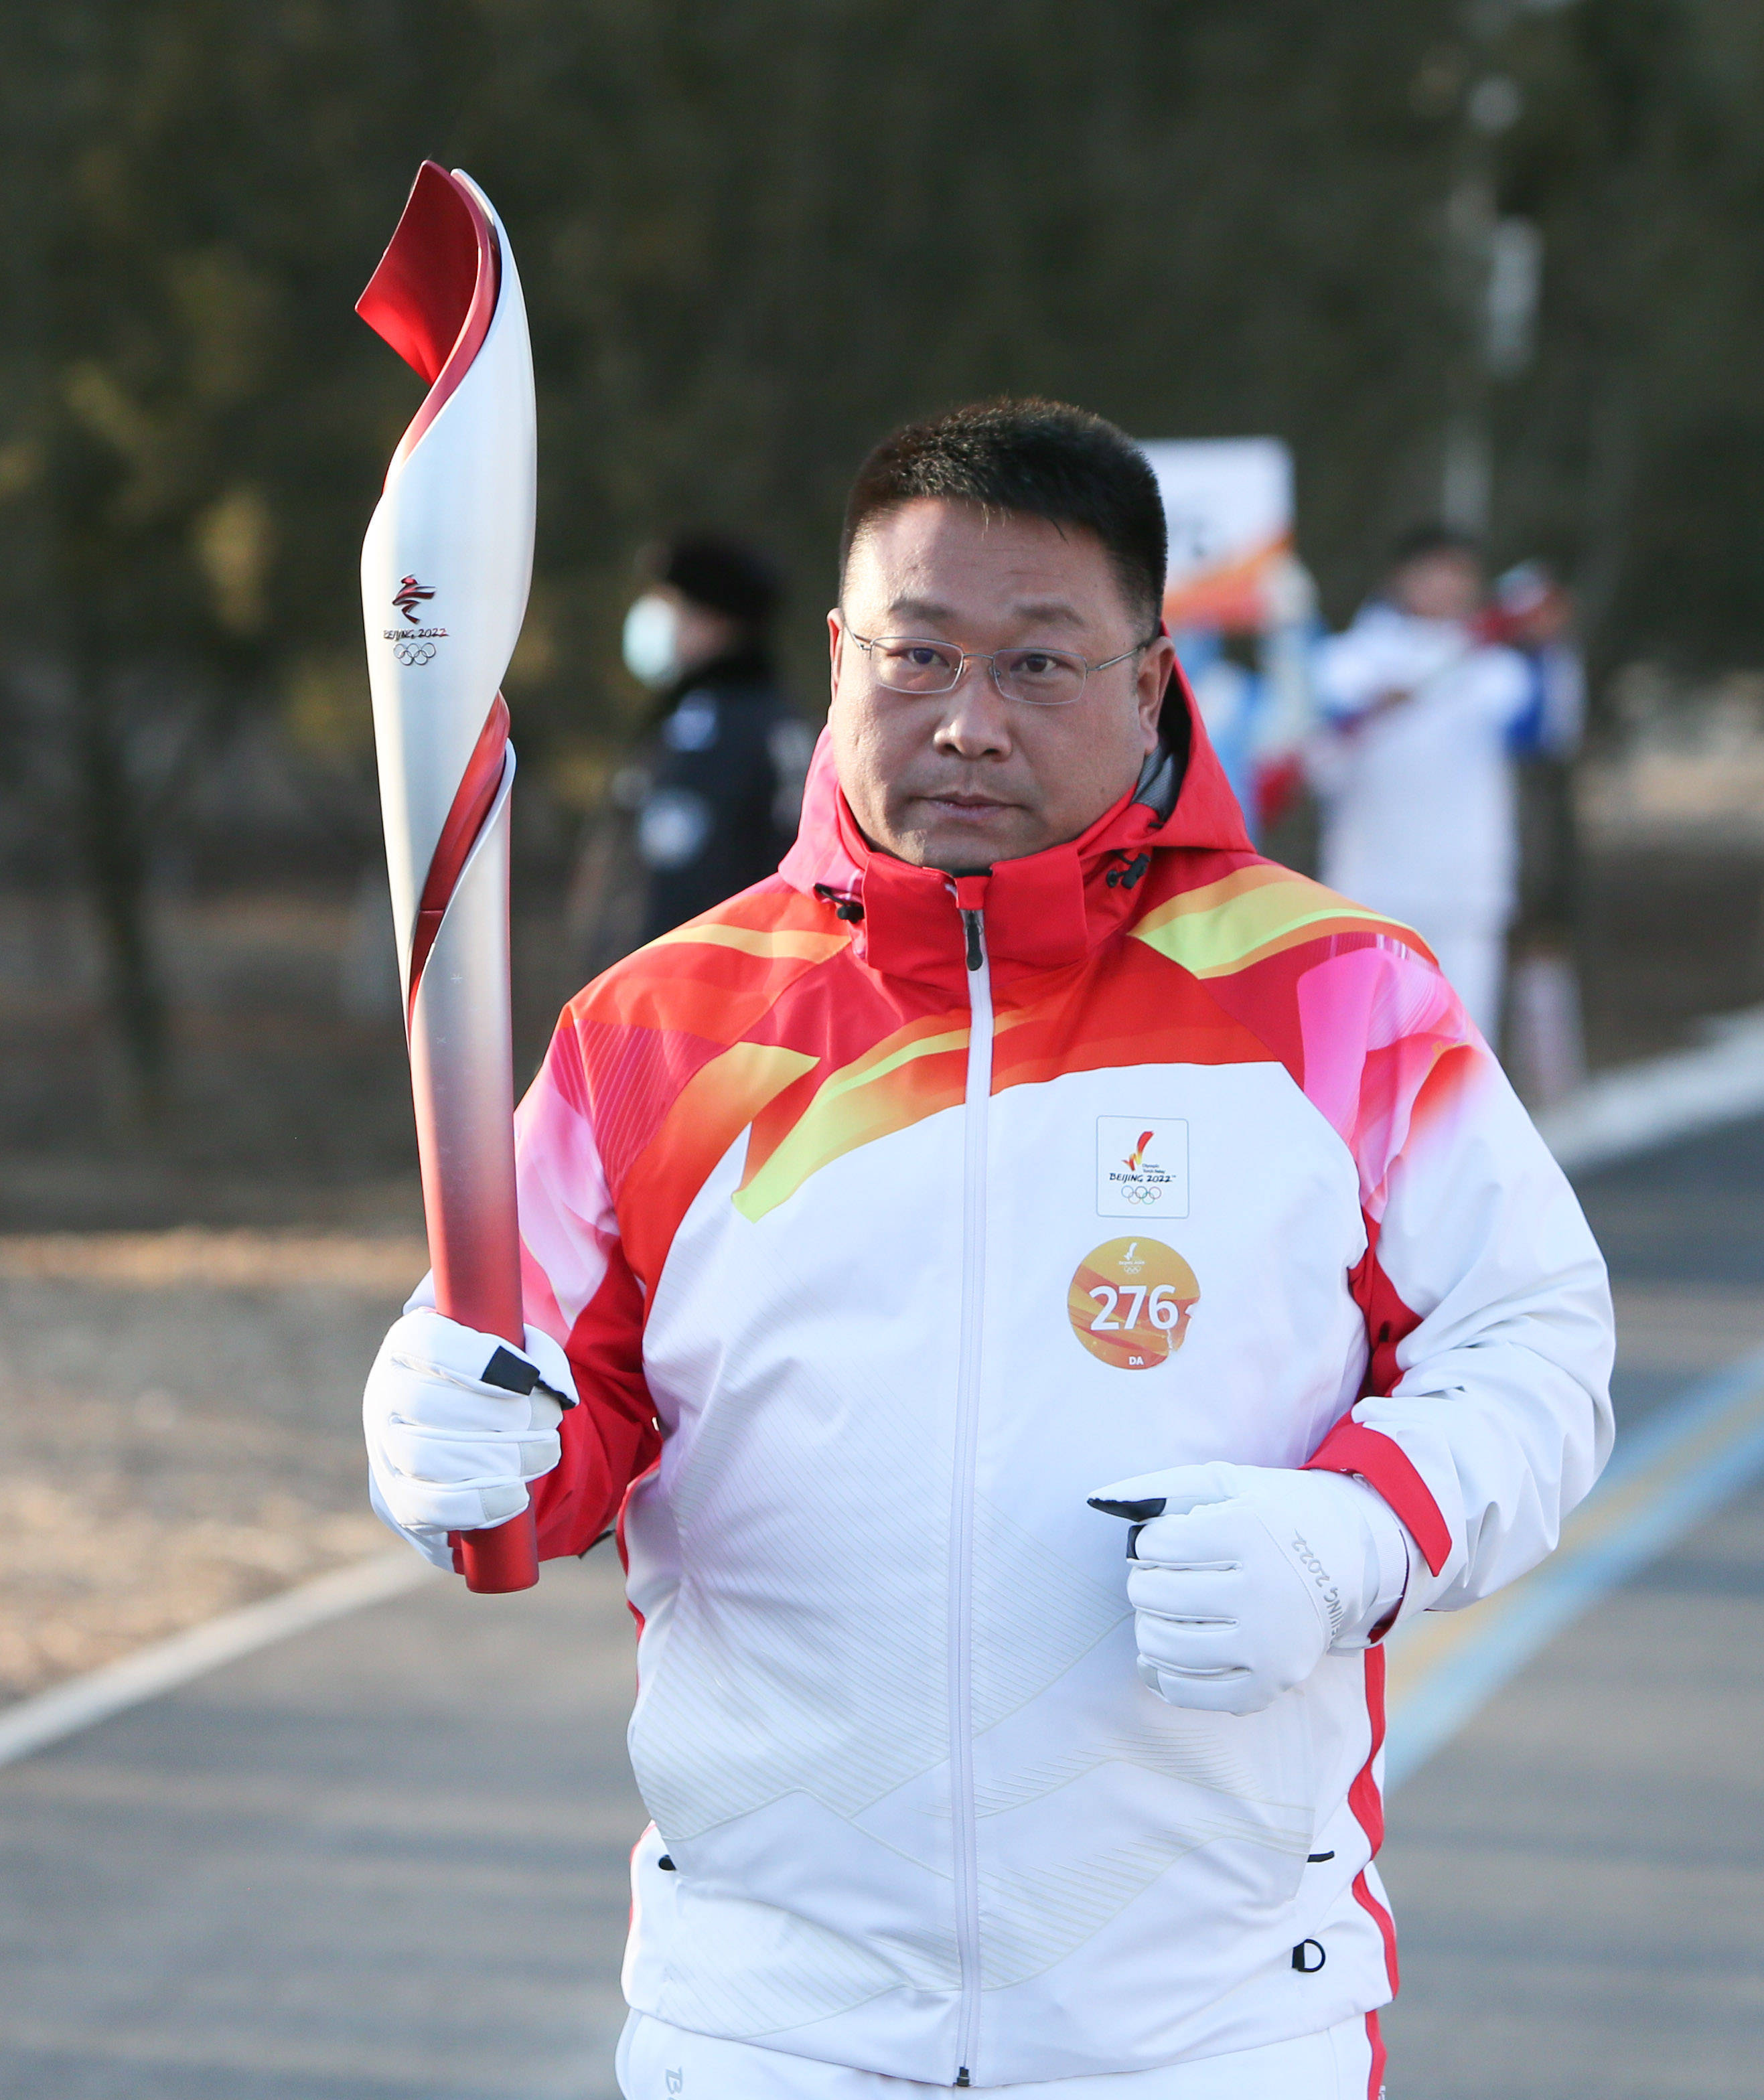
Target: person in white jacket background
x=1413, y=767
x=1042, y=1291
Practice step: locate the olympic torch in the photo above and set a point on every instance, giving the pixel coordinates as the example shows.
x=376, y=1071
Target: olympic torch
x=444, y=574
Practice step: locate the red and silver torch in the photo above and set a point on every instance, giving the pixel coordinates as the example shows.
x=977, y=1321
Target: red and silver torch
x=444, y=575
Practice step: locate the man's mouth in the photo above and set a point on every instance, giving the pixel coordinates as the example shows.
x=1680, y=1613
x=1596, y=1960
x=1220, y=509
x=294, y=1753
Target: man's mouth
x=966, y=804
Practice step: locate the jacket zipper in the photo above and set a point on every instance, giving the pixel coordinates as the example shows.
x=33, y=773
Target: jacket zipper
x=975, y=1110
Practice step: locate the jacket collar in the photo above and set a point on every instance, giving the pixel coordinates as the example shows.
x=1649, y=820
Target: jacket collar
x=1040, y=911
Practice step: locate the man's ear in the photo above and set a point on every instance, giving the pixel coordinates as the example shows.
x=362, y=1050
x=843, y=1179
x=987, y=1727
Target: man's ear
x=1157, y=676
x=835, y=634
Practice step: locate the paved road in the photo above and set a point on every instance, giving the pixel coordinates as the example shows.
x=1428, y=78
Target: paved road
x=321, y=1875
x=1579, y=1878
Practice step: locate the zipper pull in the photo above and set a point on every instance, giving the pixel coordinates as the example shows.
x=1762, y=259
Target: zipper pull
x=970, y=901
x=961, y=2076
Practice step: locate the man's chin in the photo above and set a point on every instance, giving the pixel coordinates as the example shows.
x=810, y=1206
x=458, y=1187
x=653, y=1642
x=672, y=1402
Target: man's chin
x=960, y=846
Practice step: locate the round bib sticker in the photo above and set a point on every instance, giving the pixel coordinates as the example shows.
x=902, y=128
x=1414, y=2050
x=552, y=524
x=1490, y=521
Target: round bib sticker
x=1130, y=1302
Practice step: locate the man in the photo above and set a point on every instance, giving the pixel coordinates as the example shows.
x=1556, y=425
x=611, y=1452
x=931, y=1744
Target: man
x=725, y=781
x=1413, y=772
x=711, y=804
x=1025, y=1156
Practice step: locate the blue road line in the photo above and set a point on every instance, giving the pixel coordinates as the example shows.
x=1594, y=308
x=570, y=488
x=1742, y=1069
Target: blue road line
x=1671, y=1471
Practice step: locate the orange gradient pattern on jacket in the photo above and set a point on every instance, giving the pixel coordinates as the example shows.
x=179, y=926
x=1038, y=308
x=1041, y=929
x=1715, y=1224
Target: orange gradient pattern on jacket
x=758, y=1017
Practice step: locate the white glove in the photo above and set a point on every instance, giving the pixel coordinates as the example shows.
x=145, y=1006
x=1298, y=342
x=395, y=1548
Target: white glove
x=457, y=1424
x=1243, y=1578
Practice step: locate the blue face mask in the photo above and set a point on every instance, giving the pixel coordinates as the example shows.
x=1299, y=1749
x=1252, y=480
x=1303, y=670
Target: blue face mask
x=652, y=641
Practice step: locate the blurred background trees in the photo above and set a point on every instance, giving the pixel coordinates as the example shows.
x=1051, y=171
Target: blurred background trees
x=751, y=238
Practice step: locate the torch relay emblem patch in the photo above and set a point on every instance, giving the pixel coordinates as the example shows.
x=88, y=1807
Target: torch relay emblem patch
x=1142, y=1166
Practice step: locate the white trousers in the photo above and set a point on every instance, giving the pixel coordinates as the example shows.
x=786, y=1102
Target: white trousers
x=660, y=2062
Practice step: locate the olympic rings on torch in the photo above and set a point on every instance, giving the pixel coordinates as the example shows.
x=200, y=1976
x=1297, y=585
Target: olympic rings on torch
x=413, y=653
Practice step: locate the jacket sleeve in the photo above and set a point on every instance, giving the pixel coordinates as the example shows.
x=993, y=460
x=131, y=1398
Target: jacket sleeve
x=579, y=1288
x=1485, y=1414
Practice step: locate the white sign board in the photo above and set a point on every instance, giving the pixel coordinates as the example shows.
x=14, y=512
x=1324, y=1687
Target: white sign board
x=1228, y=502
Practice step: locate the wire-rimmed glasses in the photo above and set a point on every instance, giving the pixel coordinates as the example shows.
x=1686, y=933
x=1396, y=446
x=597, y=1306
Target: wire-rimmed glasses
x=1036, y=676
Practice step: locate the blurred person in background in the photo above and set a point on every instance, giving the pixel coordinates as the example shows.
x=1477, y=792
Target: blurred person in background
x=1413, y=767
x=1533, y=612
x=1257, y=719
x=709, y=805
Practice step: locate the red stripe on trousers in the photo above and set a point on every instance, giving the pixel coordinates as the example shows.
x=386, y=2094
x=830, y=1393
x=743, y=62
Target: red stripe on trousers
x=1375, y=2039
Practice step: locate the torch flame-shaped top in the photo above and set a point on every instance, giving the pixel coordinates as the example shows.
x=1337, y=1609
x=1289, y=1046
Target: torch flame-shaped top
x=448, y=555
x=435, y=289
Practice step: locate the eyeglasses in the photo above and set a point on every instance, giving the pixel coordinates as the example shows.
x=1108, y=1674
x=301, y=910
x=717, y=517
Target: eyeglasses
x=1037, y=677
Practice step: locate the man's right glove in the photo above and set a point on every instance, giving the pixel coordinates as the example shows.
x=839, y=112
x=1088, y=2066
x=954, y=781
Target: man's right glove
x=457, y=1424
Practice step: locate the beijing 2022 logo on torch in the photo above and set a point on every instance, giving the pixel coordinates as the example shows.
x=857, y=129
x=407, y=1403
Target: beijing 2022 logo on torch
x=413, y=645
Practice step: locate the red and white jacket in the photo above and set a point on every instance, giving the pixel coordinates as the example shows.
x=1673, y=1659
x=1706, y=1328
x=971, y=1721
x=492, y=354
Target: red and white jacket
x=885, y=1217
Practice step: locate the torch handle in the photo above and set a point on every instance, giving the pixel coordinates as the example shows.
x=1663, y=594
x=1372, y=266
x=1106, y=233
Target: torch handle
x=504, y=1556
x=501, y=1558
x=478, y=1282
x=462, y=1085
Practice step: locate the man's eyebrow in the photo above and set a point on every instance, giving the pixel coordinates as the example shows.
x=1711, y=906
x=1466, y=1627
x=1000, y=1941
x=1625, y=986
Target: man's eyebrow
x=1049, y=611
x=1053, y=612
x=921, y=608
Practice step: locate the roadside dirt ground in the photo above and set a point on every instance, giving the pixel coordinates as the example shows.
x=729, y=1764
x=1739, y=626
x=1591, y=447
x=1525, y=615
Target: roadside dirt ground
x=179, y=1431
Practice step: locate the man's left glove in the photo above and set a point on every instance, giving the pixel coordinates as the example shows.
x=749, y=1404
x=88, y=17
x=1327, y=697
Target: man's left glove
x=1243, y=1578
x=457, y=1424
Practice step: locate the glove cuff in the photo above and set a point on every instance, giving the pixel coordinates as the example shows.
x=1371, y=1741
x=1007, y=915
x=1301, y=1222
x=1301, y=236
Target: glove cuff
x=1390, y=1555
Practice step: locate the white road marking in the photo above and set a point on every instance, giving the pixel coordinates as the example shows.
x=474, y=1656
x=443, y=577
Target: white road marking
x=32, y=1724
x=1636, y=1107
x=1668, y=1473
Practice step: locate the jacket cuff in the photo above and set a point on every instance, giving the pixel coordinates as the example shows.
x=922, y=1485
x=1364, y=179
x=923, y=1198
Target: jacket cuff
x=1381, y=1462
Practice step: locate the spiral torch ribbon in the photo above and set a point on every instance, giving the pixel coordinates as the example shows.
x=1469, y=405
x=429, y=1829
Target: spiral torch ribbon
x=445, y=569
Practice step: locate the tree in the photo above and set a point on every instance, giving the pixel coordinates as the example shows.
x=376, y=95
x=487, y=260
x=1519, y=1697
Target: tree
x=754, y=238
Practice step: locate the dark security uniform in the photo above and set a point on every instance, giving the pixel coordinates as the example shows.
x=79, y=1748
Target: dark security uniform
x=724, y=789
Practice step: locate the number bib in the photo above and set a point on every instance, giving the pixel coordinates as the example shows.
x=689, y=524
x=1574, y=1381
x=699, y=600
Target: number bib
x=1130, y=1302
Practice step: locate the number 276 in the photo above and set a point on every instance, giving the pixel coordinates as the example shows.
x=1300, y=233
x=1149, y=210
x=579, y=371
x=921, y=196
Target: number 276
x=1163, y=1310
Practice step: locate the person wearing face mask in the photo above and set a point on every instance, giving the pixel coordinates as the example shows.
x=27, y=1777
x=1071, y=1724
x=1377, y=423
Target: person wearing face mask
x=718, y=787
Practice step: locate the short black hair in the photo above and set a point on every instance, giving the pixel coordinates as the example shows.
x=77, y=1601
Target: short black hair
x=1041, y=459
x=1420, y=541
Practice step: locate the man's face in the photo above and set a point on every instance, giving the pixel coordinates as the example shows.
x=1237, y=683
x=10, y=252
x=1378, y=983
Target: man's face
x=1444, y=585
x=961, y=779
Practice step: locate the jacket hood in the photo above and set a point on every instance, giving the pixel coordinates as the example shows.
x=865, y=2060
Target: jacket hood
x=1042, y=910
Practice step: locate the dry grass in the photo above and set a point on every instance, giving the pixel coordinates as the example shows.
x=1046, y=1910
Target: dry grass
x=177, y=1430
x=226, y=1260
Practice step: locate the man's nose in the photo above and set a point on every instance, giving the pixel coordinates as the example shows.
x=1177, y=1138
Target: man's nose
x=977, y=720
